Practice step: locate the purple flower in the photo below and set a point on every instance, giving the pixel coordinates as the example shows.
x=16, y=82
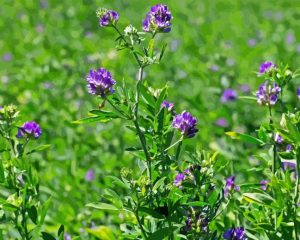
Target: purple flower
x=251, y=42
x=90, y=175
x=100, y=82
x=168, y=105
x=245, y=88
x=185, y=123
x=290, y=38
x=158, y=19
x=278, y=138
x=235, y=234
x=67, y=236
x=298, y=92
x=178, y=179
x=264, y=184
x=107, y=17
x=214, y=68
x=229, y=95
x=267, y=66
x=289, y=165
x=222, y=122
x=188, y=224
x=7, y=57
x=268, y=94
x=289, y=148
x=230, y=184
x=29, y=130
x=230, y=61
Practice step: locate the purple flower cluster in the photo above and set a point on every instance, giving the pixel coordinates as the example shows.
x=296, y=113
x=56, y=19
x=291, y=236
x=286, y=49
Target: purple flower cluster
x=90, y=175
x=278, y=138
x=180, y=177
x=29, y=130
x=107, y=17
x=267, y=66
x=185, y=123
x=158, y=19
x=100, y=82
x=298, y=92
x=229, y=95
x=222, y=122
x=268, y=94
x=230, y=184
x=264, y=184
x=167, y=105
x=235, y=234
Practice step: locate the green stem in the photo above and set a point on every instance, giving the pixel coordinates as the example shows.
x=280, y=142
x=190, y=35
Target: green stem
x=174, y=144
x=130, y=46
x=274, y=145
x=117, y=109
x=136, y=123
x=178, y=150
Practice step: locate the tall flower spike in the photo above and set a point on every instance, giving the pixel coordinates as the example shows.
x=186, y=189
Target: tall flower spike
x=107, y=17
x=268, y=94
x=29, y=130
x=158, y=19
x=100, y=82
x=185, y=123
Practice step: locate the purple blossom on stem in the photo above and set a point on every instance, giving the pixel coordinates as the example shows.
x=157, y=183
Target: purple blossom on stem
x=298, y=92
x=185, y=123
x=245, y=88
x=107, y=17
x=266, y=67
x=235, y=234
x=158, y=19
x=289, y=148
x=214, y=68
x=278, y=138
x=90, y=175
x=268, y=94
x=67, y=236
x=229, y=95
x=222, y=122
x=168, y=105
x=230, y=184
x=100, y=82
x=7, y=57
x=264, y=184
x=178, y=179
x=29, y=130
x=251, y=42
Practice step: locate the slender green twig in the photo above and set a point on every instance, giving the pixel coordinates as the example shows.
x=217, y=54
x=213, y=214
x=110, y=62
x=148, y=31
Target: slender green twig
x=117, y=109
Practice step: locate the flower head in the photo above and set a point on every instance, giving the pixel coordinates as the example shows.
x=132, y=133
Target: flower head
x=90, y=175
x=100, y=82
x=268, y=94
x=222, y=122
x=278, y=138
x=107, y=17
x=266, y=67
x=29, y=130
x=228, y=95
x=289, y=148
x=158, y=19
x=185, y=123
x=230, y=184
x=235, y=234
x=298, y=92
x=167, y=105
x=178, y=179
x=264, y=184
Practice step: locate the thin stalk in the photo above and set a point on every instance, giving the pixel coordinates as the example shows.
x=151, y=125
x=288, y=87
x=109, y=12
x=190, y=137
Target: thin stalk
x=274, y=145
x=130, y=46
x=137, y=126
x=117, y=109
x=144, y=235
x=296, y=226
x=174, y=144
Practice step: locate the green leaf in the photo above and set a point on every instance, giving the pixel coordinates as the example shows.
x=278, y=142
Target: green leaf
x=162, y=52
x=259, y=198
x=103, y=206
x=44, y=210
x=112, y=196
x=118, y=182
x=92, y=119
x=9, y=207
x=39, y=148
x=47, y=236
x=61, y=230
x=151, y=47
x=162, y=233
x=245, y=138
x=196, y=204
x=248, y=98
x=279, y=220
x=104, y=114
x=158, y=184
x=151, y=212
x=101, y=232
x=147, y=96
x=32, y=212
x=2, y=176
